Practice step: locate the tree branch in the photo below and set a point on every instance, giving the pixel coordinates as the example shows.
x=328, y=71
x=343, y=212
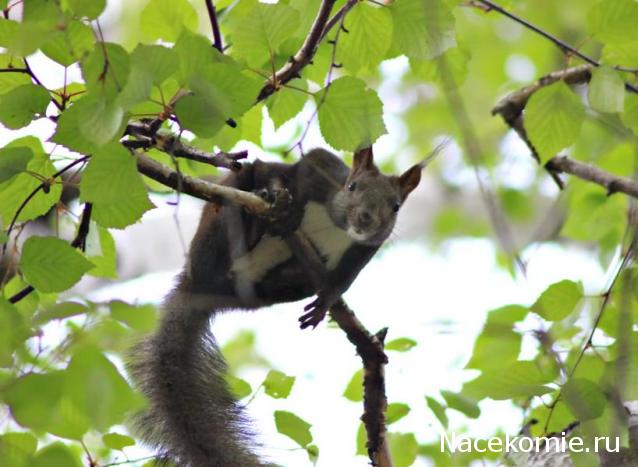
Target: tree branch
x=199, y=188
x=369, y=348
x=303, y=57
x=563, y=46
x=214, y=24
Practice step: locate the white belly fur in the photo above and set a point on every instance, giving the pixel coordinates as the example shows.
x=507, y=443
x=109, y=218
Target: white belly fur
x=330, y=241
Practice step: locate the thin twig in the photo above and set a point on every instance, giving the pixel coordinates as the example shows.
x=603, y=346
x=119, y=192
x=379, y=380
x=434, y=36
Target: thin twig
x=562, y=45
x=303, y=57
x=214, y=24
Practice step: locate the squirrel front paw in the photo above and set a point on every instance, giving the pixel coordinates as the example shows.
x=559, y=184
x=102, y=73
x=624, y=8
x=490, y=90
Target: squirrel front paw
x=316, y=312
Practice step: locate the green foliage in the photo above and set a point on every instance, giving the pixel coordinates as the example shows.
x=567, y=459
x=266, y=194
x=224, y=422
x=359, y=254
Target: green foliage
x=559, y=300
x=402, y=344
x=553, y=118
x=278, y=385
x=354, y=389
x=20, y=105
x=293, y=427
x=165, y=19
x=607, y=90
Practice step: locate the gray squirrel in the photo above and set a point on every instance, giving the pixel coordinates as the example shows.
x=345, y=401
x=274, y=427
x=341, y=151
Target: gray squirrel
x=240, y=261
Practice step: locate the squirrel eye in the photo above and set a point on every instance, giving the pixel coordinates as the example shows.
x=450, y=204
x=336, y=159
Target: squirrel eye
x=352, y=186
x=396, y=207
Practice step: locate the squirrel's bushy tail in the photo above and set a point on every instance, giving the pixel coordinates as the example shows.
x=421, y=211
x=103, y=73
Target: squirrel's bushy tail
x=192, y=418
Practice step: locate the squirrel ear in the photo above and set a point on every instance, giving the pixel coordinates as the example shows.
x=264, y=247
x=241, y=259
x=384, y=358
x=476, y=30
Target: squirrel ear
x=409, y=180
x=363, y=159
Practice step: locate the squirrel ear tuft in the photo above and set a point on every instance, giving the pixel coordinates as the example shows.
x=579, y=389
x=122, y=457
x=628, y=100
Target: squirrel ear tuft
x=409, y=180
x=363, y=159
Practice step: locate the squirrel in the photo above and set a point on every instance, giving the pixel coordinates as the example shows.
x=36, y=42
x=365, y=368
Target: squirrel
x=241, y=261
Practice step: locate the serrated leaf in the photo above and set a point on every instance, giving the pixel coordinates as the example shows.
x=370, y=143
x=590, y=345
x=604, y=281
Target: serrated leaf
x=423, y=29
x=558, y=300
x=404, y=448
x=287, y=102
x=56, y=455
x=259, y=34
x=106, y=69
x=519, y=379
x=350, y=116
x=14, y=161
x=238, y=387
x=613, y=21
x=395, y=412
x=553, y=117
x=461, y=403
x=71, y=44
x=14, y=192
x=101, y=251
x=88, y=8
x=158, y=61
x=91, y=377
x=102, y=120
x=51, y=265
x=630, y=115
x=21, y=105
x=585, y=398
x=117, y=441
x=606, y=90
x=402, y=344
x=295, y=428
x=68, y=131
x=9, y=81
x=278, y=384
x=354, y=389
x=165, y=19
x=368, y=39
x=111, y=182
x=438, y=410
x=24, y=38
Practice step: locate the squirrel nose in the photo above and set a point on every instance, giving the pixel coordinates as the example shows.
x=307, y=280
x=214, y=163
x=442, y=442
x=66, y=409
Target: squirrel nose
x=365, y=219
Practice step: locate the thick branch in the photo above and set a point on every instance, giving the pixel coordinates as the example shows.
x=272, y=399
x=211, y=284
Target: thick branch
x=303, y=57
x=197, y=187
x=369, y=347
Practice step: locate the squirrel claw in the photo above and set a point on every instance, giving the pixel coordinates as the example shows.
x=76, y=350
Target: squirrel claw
x=316, y=314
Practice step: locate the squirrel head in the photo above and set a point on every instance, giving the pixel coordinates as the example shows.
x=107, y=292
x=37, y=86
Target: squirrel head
x=368, y=203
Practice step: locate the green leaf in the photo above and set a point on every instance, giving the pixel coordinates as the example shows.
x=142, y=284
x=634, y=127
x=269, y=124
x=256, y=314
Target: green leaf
x=396, y=412
x=354, y=390
x=350, y=116
x=117, y=441
x=88, y=8
x=9, y=81
x=461, y=403
x=138, y=317
x=558, y=300
x=553, y=117
x=278, y=385
x=111, y=182
x=423, y=29
x=101, y=251
x=106, y=69
x=56, y=455
x=23, y=39
x=16, y=449
x=448, y=69
x=14, y=331
x=91, y=377
x=630, y=116
x=585, y=398
x=402, y=344
x=613, y=21
x=71, y=44
x=103, y=120
x=259, y=34
x=238, y=387
x=60, y=310
x=50, y=265
x=438, y=410
x=404, y=448
x=14, y=161
x=606, y=90
x=14, y=192
x=21, y=105
x=368, y=38
x=287, y=102
x=219, y=93
x=68, y=132
x=519, y=379
x=294, y=427
x=165, y=19
x=157, y=61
